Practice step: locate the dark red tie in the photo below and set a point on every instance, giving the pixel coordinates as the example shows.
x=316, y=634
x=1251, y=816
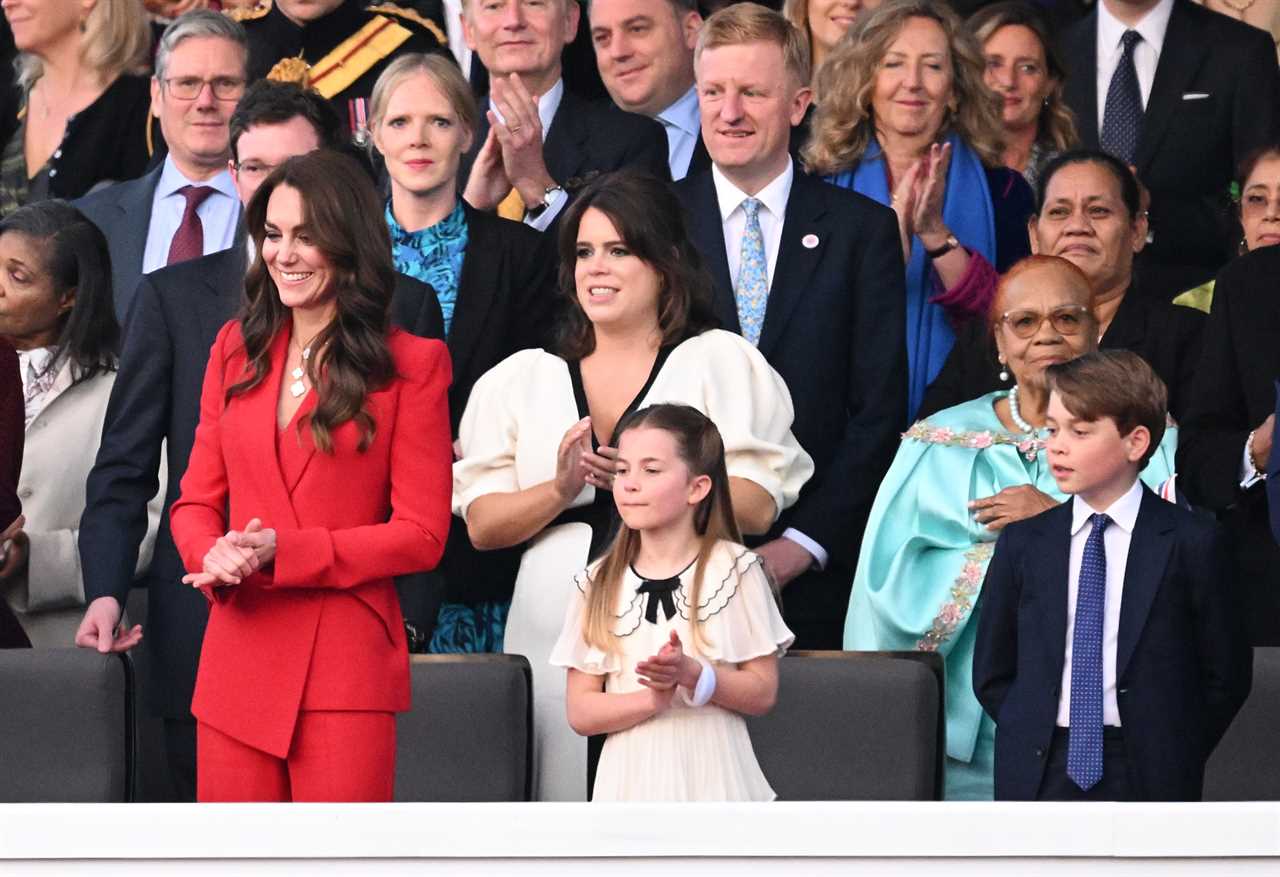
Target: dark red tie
x=188, y=240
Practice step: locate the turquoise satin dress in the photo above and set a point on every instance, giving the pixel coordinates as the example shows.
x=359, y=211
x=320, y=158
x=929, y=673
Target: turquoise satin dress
x=924, y=558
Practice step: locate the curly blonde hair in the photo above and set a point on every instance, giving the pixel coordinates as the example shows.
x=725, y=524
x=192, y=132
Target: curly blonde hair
x=844, y=123
x=1056, y=126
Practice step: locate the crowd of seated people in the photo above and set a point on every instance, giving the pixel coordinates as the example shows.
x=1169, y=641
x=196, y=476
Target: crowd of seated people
x=267, y=269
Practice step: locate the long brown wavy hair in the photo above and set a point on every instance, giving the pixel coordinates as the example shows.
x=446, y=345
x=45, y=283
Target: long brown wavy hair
x=844, y=123
x=701, y=448
x=343, y=215
x=650, y=220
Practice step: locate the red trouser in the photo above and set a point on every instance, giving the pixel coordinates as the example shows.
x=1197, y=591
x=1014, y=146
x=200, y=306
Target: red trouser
x=334, y=756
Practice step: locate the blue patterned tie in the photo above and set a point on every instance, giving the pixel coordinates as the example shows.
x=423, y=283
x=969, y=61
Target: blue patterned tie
x=752, y=288
x=1122, y=115
x=1084, y=739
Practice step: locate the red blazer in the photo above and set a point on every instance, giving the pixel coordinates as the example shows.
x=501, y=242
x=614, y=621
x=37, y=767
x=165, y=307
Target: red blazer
x=320, y=628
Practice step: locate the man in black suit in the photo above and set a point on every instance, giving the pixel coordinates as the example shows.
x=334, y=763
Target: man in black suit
x=1203, y=91
x=187, y=206
x=1226, y=437
x=538, y=139
x=173, y=319
x=833, y=315
x=645, y=52
x=1108, y=652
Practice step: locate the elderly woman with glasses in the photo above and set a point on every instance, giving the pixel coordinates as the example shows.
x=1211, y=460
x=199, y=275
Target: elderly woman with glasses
x=958, y=479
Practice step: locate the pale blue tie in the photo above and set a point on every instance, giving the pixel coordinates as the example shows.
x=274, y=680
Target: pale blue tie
x=752, y=288
x=1084, y=739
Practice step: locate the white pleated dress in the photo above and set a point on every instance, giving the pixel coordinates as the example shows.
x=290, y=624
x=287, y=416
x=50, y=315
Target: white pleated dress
x=515, y=419
x=684, y=753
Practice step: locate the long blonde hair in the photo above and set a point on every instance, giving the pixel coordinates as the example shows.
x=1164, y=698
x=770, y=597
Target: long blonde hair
x=844, y=123
x=699, y=445
x=116, y=38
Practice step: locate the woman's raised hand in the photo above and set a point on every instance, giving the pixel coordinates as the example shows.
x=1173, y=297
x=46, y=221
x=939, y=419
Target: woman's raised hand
x=931, y=189
x=571, y=465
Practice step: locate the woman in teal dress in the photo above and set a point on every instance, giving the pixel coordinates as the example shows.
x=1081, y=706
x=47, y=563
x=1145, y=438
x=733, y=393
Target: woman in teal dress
x=957, y=480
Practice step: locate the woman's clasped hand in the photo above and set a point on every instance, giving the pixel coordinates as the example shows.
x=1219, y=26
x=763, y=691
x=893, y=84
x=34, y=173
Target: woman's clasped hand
x=235, y=556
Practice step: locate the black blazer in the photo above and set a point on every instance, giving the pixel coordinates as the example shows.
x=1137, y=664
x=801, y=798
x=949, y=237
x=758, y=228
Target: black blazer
x=123, y=213
x=588, y=138
x=506, y=300
x=1166, y=335
x=1188, y=150
x=1232, y=394
x=834, y=330
x=1183, y=667
x=172, y=323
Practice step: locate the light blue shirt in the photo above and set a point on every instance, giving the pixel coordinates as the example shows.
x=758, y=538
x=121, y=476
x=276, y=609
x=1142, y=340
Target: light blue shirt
x=682, y=122
x=219, y=214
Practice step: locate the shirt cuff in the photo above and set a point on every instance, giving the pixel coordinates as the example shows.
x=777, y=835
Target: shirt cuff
x=1249, y=474
x=819, y=553
x=544, y=219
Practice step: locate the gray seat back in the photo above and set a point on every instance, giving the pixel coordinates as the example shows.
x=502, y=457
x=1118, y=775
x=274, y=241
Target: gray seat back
x=67, y=722
x=468, y=736
x=1243, y=768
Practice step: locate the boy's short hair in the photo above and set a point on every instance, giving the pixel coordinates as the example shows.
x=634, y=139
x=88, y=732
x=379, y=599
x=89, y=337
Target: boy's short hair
x=1114, y=383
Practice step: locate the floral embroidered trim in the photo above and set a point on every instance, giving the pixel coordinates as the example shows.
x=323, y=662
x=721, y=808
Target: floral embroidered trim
x=1028, y=445
x=963, y=590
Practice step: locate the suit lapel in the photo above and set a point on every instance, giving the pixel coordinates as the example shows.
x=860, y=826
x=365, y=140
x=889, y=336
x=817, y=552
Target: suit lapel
x=707, y=232
x=1181, y=56
x=134, y=205
x=260, y=432
x=1052, y=567
x=1081, y=88
x=805, y=235
x=564, y=149
x=701, y=160
x=223, y=291
x=1149, y=550
x=476, y=287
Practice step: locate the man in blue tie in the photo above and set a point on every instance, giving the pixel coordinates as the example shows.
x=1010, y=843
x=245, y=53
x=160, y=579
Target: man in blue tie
x=1109, y=651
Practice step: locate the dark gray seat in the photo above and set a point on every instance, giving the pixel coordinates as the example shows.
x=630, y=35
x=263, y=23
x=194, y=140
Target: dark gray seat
x=1243, y=767
x=468, y=736
x=854, y=726
x=67, y=722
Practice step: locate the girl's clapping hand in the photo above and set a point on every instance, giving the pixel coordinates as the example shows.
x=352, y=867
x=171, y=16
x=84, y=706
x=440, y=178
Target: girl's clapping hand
x=670, y=667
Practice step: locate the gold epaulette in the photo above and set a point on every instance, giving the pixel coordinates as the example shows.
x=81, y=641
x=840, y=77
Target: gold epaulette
x=243, y=13
x=412, y=15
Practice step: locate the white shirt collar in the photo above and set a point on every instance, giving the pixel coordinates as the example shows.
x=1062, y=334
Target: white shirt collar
x=1152, y=27
x=773, y=196
x=1123, y=512
x=683, y=114
x=172, y=179
x=548, y=104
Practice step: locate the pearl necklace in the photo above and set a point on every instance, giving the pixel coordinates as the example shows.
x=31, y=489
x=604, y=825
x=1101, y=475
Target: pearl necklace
x=1016, y=415
x=297, y=388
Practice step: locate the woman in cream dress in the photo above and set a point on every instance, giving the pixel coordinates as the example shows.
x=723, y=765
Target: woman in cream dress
x=536, y=463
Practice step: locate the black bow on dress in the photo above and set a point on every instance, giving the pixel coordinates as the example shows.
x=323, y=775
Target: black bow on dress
x=659, y=591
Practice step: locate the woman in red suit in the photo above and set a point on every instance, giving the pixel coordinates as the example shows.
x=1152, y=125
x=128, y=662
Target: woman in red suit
x=321, y=469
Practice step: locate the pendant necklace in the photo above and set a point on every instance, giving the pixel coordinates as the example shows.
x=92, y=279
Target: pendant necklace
x=297, y=388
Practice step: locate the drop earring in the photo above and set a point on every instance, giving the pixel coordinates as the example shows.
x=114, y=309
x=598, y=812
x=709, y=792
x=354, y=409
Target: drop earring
x=1004, y=371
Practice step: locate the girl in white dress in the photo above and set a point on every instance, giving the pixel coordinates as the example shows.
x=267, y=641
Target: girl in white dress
x=674, y=633
x=536, y=462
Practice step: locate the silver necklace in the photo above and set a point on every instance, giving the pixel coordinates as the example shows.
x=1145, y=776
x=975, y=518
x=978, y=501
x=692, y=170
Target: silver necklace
x=1016, y=415
x=297, y=388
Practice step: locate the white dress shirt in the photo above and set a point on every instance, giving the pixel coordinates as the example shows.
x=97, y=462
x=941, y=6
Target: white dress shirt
x=219, y=214
x=1146, y=54
x=683, y=122
x=1115, y=541
x=773, y=210
x=548, y=104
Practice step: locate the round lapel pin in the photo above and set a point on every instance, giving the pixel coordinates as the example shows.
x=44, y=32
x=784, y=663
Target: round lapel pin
x=809, y=241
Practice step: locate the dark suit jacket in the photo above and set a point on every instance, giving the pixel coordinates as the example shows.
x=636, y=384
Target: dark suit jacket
x=1188, y=150
x=1233, y=393
x=172, y=323
x=123, y=213
x=588, y=138
x=1166, y=335
x=834, y=330
x=1183, y=667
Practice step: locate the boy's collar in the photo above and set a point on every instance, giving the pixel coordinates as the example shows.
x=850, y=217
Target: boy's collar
x=1123, y=512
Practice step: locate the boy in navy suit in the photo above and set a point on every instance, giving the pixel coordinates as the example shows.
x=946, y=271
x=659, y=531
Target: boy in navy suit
x=1108, y=650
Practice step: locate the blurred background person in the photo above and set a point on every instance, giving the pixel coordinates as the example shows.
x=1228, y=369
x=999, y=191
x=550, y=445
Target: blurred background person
x=55, y=309
x=85, y=116
x=12, y=418
x=958, y=479
x=1024, y=70
x=906, y=119
x=825, y=22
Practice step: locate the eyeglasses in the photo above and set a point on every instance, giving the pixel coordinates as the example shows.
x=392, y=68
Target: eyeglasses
x=1066, y=320
x=255, y=168
x=189, y=87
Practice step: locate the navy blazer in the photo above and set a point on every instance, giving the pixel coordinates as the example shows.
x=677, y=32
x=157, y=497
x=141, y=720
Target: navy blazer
x=834, y=329
x=155, y=405
x=1183, y=664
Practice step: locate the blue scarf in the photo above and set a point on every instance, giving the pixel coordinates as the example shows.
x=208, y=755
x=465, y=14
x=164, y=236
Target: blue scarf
x=968, y=212
x=433, y=255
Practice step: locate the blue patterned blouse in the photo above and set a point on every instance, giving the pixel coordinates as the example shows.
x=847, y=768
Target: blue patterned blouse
x=433, y=255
